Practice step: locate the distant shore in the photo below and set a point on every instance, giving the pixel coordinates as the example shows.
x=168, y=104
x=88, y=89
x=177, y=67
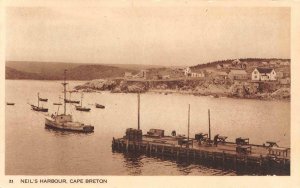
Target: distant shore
x=243, y=90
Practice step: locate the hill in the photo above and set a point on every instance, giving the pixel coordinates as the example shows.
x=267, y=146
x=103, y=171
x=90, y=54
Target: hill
x=11, y=73
x=76, y=71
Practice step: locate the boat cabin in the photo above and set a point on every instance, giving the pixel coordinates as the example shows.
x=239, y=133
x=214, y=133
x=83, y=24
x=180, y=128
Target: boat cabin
x=278, y=151
x=63, y=118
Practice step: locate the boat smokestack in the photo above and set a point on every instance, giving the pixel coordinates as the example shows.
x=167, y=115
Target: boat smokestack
x=64, y=84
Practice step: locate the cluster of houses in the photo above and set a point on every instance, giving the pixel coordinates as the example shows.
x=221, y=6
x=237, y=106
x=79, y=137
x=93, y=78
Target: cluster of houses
x=236, y=70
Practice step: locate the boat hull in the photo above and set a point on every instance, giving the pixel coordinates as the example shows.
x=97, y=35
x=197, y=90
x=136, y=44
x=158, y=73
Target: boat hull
x=99, y=106
x=9, y=103
x=64, y=127
x=39, y=109
x=70, y=101
x=82, y=109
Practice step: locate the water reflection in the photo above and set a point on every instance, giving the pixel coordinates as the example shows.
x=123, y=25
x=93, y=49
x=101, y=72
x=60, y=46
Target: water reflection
x=133, y=163
x=57, y=132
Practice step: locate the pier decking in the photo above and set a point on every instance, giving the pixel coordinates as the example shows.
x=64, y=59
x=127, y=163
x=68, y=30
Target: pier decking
x=225, y=153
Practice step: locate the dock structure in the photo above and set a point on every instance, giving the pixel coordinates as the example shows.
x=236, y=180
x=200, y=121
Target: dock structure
x=225, y=154
x=268, y=158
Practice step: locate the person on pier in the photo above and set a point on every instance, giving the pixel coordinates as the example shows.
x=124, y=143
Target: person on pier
x=216, y=140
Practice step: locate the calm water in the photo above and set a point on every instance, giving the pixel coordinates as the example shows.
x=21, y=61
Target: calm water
x=33, y=150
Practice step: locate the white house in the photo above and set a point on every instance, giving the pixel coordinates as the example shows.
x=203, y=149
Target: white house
x=187, y=71
x=263, y=74
x=193, y=73
x=238, y=74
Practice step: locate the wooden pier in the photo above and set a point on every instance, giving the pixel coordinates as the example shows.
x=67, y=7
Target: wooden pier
x=272, y=160
x=266, y=159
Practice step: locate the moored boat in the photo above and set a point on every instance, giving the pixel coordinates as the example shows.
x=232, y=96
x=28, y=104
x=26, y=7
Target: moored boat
x=10, y=103
x=57, y=103
x=39, y=109
x=71, y=101
x=44, y=100
x=65, y=121
x=99, y=106
x=84, y=109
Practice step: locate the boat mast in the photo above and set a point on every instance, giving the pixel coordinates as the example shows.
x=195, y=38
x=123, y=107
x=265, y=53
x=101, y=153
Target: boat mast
x=38, y=99
x=64, y=84
x=138, y=111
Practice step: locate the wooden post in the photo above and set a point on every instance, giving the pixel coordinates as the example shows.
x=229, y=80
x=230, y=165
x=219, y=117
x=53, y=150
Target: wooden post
x=188, y=127
x=127, y=145
x=138, y=111
x=209, y=134
x=38, y=94
x=234, y=162
x=163, y=150
x=223, y=157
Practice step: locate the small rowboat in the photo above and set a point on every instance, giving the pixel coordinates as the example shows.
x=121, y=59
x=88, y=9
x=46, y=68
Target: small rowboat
x=99, y=106
x=10, y=103
x=70, y=101
x=84, y=109
x=44, y=100
x=57, y=103
x=39, y=109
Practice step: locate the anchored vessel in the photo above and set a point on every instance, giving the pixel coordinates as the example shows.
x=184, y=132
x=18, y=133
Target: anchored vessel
x=82, y=108
x=65, y=121
x=99, y=105
x=38, y=108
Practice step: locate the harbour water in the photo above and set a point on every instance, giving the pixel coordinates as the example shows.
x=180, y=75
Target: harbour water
x=31, y=149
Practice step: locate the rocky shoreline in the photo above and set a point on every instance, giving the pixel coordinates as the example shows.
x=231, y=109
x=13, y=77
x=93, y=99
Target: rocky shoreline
x=212, y=87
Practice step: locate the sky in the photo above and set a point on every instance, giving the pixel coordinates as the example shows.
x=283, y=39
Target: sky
x=157, y=34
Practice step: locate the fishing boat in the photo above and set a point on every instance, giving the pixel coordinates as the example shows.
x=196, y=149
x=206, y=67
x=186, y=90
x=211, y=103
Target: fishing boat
x=65, y=121
x=81, y=108
x=38, y=108
x=71, y=101
x=57, y=103
x=42, y=99
x=99, y=106
x=10, y=103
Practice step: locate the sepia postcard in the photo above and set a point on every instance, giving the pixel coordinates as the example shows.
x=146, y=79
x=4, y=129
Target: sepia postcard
x=150, y=93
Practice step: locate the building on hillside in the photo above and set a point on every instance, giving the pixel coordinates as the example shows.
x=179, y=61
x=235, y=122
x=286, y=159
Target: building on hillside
x=285, y=81
x=219, y=66
x=142, y=74
x=237, y=64
x=221, y=75
x=279, y=74
x=226, y=66
x=238, y=74
x=128, y=75
x=263, y=74
x=188, y=72
x=165, y=77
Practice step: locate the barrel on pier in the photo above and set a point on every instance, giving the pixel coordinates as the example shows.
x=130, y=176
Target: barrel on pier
x=133, y=134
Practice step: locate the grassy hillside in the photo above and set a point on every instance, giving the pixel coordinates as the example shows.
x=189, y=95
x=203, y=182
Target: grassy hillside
x=76, y=71
x=11, y=73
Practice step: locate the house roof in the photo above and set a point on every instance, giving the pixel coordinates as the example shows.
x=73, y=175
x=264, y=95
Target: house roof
x=222, y=73
x=197, y=70
x=264, y=70
x=238, y=72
